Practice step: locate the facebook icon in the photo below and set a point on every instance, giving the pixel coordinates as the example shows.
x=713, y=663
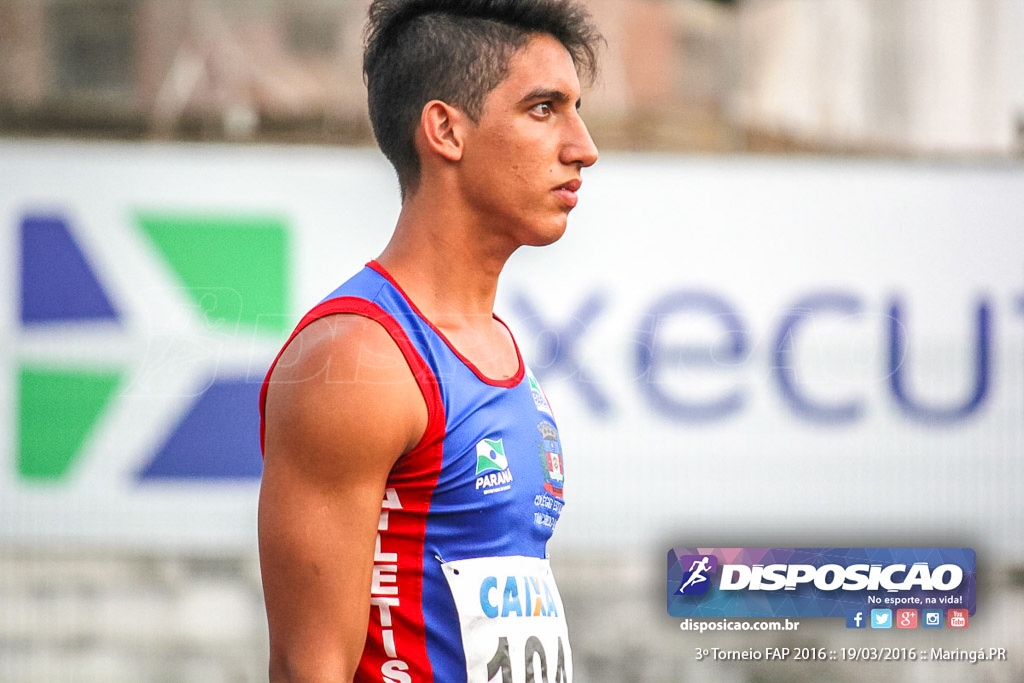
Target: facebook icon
x=855, y=618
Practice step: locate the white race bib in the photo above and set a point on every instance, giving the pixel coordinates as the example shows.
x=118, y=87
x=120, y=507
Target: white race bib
x=512, y=621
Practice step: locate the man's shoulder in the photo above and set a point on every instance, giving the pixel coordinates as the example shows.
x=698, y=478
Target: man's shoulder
x=340, y=348
x=343, y=385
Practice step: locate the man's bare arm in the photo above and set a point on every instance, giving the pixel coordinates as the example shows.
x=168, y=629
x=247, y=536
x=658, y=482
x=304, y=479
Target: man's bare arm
x=342, y=407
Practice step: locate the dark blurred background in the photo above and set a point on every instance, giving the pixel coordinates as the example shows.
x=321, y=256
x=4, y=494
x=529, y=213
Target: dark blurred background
x=904, y=77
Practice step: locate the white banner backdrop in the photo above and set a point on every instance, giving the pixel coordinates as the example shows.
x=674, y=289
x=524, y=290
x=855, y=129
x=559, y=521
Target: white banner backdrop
x=748, y=352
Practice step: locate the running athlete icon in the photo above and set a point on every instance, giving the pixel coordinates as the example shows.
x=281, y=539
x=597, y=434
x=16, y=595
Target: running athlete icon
x=698, y=569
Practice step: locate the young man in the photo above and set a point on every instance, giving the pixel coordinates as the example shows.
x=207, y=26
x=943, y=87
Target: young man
x=403, y=387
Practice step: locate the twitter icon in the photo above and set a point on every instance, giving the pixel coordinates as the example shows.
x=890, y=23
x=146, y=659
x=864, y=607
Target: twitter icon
x=881, y=618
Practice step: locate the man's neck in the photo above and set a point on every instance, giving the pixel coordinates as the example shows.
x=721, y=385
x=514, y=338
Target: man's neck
x=445, y=263
x=453, y=282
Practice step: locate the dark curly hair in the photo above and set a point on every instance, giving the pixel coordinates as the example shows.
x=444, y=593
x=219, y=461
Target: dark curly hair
x=455, y=51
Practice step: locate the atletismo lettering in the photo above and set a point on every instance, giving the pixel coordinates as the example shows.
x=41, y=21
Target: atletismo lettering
x=384, y=594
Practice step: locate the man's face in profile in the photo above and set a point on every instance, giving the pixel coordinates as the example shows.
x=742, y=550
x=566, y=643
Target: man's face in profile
x=522, y=160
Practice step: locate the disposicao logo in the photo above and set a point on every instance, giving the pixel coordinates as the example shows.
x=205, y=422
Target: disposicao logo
x=818, y=582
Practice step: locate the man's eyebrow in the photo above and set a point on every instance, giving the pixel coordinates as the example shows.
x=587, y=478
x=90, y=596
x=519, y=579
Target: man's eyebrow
x=547, y=94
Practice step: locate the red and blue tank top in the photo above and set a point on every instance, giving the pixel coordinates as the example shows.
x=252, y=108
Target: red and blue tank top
x=485, y=481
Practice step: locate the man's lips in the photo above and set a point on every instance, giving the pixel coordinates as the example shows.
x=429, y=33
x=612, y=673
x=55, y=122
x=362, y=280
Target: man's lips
x=567, y=192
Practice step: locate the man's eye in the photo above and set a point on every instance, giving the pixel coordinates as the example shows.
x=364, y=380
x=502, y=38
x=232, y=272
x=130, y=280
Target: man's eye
x=543, y=108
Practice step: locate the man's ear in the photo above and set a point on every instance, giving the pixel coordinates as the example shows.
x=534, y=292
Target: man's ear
x=442, y=128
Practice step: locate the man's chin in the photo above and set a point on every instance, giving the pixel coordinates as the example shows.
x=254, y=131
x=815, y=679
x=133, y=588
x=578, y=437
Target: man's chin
x=549, y=235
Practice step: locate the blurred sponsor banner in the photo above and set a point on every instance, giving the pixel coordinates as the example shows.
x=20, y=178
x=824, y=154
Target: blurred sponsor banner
x=763, y=352
x=149, y=287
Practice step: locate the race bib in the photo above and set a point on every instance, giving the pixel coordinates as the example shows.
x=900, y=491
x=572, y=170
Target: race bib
x=512, y=621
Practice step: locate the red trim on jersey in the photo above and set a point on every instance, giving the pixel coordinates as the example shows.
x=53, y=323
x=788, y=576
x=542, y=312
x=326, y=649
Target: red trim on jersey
x=509, y=383
x=413, y=477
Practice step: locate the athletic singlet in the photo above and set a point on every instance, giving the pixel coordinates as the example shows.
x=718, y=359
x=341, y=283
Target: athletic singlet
x=460, y=576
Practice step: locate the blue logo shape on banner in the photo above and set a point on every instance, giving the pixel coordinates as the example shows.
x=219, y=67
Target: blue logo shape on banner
x=818, y=582
x=217, y=439
x=57, y=284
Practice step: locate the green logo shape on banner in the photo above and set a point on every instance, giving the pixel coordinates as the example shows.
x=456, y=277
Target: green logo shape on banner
x=235, y=267
x=57, y=413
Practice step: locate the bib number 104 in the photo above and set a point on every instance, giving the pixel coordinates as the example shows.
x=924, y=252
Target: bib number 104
x=533, y=652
